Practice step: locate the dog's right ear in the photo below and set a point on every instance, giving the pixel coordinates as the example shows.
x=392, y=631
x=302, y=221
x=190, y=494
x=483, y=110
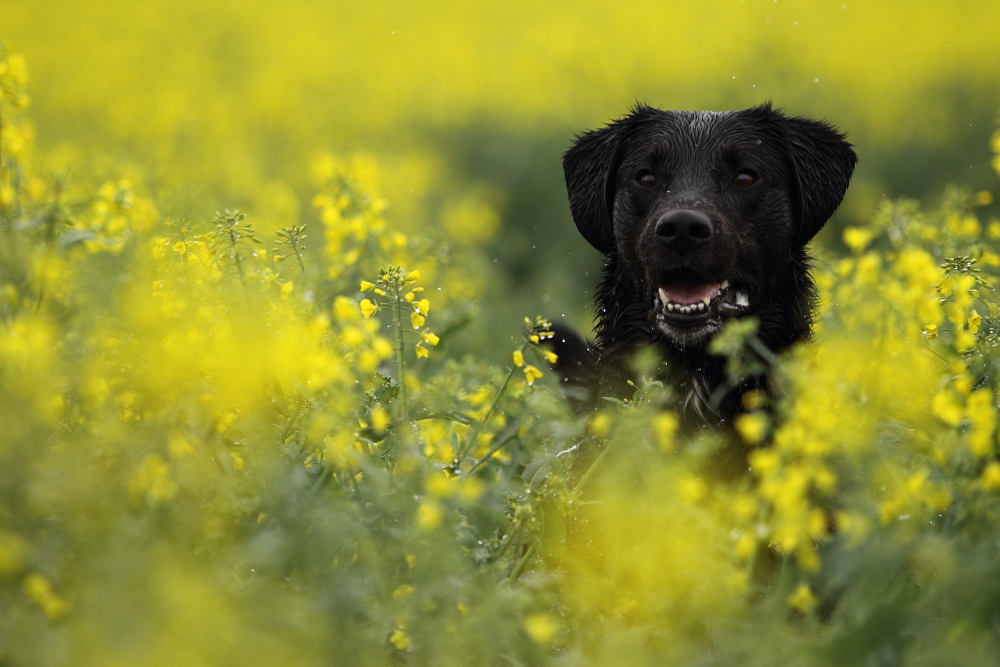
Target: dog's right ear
x=590, y=167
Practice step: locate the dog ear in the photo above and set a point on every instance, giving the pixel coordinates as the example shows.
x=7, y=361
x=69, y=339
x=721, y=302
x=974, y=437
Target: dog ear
x=822, y=163
x=590, y=168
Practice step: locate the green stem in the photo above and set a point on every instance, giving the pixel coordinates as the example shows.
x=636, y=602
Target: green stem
x=762, y=351
x=397, y=316
x=509, y=539
x=239, y=265
x=519, y=568
x=501, y=443
x=298, y=256
x=590, y=471
x=291, y=423
x=496, y=400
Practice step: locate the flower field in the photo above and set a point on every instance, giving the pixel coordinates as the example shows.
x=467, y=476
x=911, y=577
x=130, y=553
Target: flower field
x=322, y=428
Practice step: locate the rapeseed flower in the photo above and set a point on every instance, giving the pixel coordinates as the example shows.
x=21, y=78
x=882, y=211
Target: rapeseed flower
x=752, y=427
x=990, y=478
x=802, y=599
x=531, y=374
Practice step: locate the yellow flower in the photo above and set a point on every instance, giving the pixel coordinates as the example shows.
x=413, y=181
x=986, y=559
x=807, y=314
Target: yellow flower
x=938, y=500
x=6, y=195
x=429, y=515
x=531, y=374
x=974, y=321
x=410, y=296
x=417, y=320
x=991, y=476
x=600, y=424
x=429, y=338
x=368, y=308
x=533, y=338
x=857, y=238
x=802, y=599
x=541, y=627
x=412, y=275
x=178, y=446
x=344, y=309
x=752, y=427
x=400, y=639
x=868, y=269
x=380, y=292
x=423, y=306
x=286, y=289
x=380, y=418
x=40, y=591
x=984, y=197
x=993, y=230
x=440, y=485
x=420, y=350
x=692, y=489
x=551, y=357
x=518, y=358
x=931, y=330
x=365, y=285
x=383, y=347
x=151, y=481
x=964, y=341
x=403, y=592
x=947, y=408
x=665, y=425
x=180, y=247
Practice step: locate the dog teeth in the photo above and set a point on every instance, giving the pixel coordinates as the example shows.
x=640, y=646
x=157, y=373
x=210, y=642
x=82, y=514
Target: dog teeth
x=684, y=308
x=724, y=284
x=741, y=300
x=664, y=299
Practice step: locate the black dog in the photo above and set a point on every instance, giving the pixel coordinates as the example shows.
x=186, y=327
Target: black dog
x=702, y=217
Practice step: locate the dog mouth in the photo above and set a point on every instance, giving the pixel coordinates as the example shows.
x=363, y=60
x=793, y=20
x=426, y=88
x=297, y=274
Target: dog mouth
x=685, y=299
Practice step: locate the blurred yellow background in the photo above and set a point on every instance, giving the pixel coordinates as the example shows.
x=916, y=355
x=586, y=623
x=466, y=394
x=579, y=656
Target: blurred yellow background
x=222, y=103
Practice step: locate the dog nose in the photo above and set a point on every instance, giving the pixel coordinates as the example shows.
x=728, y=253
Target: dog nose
x=684, y=230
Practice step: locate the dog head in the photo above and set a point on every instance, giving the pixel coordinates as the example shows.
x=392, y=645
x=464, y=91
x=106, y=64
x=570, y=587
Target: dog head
x=705, y=210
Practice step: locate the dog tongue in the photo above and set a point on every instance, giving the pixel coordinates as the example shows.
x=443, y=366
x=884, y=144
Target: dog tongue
x=688, y=293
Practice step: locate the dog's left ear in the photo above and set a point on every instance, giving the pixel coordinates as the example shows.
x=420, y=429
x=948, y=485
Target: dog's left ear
x=822, y=163
x=589, y=168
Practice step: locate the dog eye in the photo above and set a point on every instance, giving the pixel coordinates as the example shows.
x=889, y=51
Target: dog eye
x=647, y=179
x=745, y=178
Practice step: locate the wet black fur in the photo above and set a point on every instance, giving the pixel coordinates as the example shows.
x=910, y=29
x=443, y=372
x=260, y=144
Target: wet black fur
x=803, y=169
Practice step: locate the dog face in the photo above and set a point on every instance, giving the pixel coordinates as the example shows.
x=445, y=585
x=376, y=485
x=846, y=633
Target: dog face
x=704, y=210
